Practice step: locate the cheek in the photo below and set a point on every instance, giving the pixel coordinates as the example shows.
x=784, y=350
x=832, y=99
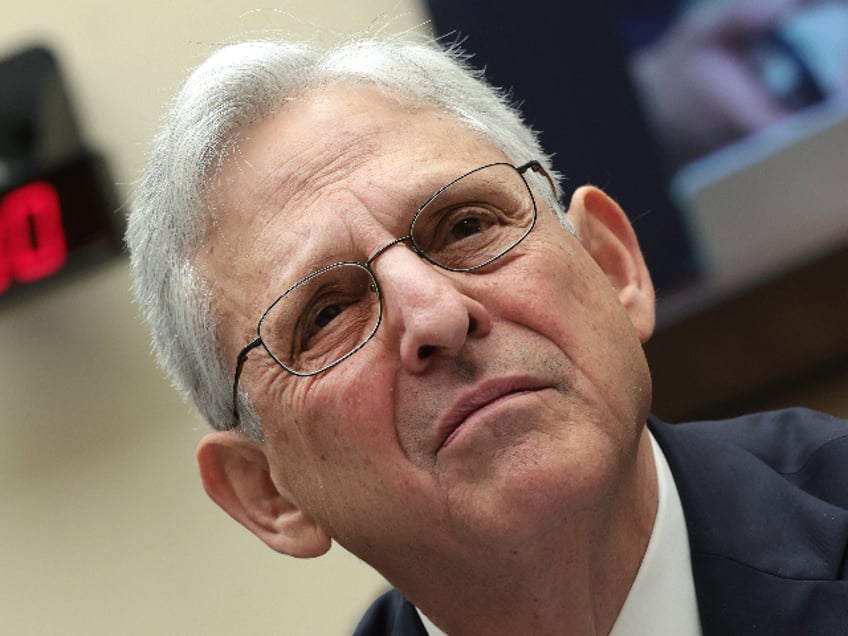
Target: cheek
x=553, y=291
x=341, y=460
x=573, y=304
x=337, y=423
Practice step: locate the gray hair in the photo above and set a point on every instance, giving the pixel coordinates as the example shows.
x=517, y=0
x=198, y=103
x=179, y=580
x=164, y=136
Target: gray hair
x=243, y=84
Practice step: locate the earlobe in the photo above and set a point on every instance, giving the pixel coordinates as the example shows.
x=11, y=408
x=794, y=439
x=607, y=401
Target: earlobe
x=235, y=474
x=605, y=232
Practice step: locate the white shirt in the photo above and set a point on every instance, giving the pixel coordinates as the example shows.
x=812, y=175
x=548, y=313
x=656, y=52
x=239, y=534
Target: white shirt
x=661, y=601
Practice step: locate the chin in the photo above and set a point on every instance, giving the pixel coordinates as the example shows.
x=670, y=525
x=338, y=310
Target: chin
x=534, y=486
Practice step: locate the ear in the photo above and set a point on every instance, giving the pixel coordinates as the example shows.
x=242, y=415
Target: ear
x=605, y=232
x=235, y=474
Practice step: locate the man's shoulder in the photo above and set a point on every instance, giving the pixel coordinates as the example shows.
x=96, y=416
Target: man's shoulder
x=765, y=499
x=754, y=431
x=807, y=448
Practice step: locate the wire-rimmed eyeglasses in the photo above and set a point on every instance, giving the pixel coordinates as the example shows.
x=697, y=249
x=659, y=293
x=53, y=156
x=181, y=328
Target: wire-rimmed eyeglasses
x=329, y=315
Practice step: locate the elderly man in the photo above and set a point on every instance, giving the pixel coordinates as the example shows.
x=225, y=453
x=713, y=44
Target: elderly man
x=356, y=265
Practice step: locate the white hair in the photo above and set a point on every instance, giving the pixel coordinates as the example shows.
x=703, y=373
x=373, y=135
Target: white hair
x=243, y=84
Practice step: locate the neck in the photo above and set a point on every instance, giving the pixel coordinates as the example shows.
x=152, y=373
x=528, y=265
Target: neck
x=571, y=579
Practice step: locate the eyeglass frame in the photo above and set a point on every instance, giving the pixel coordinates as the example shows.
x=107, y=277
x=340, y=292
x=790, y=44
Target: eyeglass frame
x=241, y=358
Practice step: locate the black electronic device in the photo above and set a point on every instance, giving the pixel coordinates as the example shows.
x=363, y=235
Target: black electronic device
x=58, y=205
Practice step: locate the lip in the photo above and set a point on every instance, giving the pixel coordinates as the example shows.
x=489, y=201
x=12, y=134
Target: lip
x=477, y=399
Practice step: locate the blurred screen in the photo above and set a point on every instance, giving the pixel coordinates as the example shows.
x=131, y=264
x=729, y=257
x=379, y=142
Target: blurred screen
x=717, y=124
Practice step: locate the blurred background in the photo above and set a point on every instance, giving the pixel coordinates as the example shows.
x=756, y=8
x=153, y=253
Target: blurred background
x=720, y=125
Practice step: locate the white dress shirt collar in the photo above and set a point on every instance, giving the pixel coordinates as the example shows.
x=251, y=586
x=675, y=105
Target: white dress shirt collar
x=662, y=598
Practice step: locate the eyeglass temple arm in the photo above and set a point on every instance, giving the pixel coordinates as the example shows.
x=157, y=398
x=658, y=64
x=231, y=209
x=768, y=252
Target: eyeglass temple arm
x=240, y=360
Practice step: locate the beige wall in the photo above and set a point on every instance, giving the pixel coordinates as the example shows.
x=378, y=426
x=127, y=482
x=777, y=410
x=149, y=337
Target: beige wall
x=104, y=528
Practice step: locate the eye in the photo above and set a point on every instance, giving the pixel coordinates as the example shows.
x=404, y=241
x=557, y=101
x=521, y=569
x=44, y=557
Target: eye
x=322, y=324
x=326, y=315
x=323, y=317
x=342, y=304
x=463, y=223
x=466, y=227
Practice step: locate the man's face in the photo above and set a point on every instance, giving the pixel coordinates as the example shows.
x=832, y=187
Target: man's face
x=534, y=390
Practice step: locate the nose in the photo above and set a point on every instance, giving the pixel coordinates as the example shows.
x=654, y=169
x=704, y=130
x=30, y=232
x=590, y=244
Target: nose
x=424, y=306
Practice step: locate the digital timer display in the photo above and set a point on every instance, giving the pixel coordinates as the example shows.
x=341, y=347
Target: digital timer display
x=31, y=224
x=56, y=222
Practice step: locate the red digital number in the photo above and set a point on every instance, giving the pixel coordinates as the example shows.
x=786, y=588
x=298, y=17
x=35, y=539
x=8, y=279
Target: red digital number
x=32, y=239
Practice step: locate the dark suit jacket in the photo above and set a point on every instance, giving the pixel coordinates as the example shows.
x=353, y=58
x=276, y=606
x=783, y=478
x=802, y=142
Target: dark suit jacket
x=766, y=504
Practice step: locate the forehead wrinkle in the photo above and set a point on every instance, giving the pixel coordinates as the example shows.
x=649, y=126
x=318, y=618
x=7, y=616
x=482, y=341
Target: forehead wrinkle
x=302, y=177
x=299, y=185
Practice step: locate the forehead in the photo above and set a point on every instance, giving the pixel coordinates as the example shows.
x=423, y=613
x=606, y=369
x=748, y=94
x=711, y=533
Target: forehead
x=338, y=139
x=330, y=134
x=335, y=166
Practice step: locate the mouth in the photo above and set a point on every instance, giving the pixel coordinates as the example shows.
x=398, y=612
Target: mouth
x=480, y=401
